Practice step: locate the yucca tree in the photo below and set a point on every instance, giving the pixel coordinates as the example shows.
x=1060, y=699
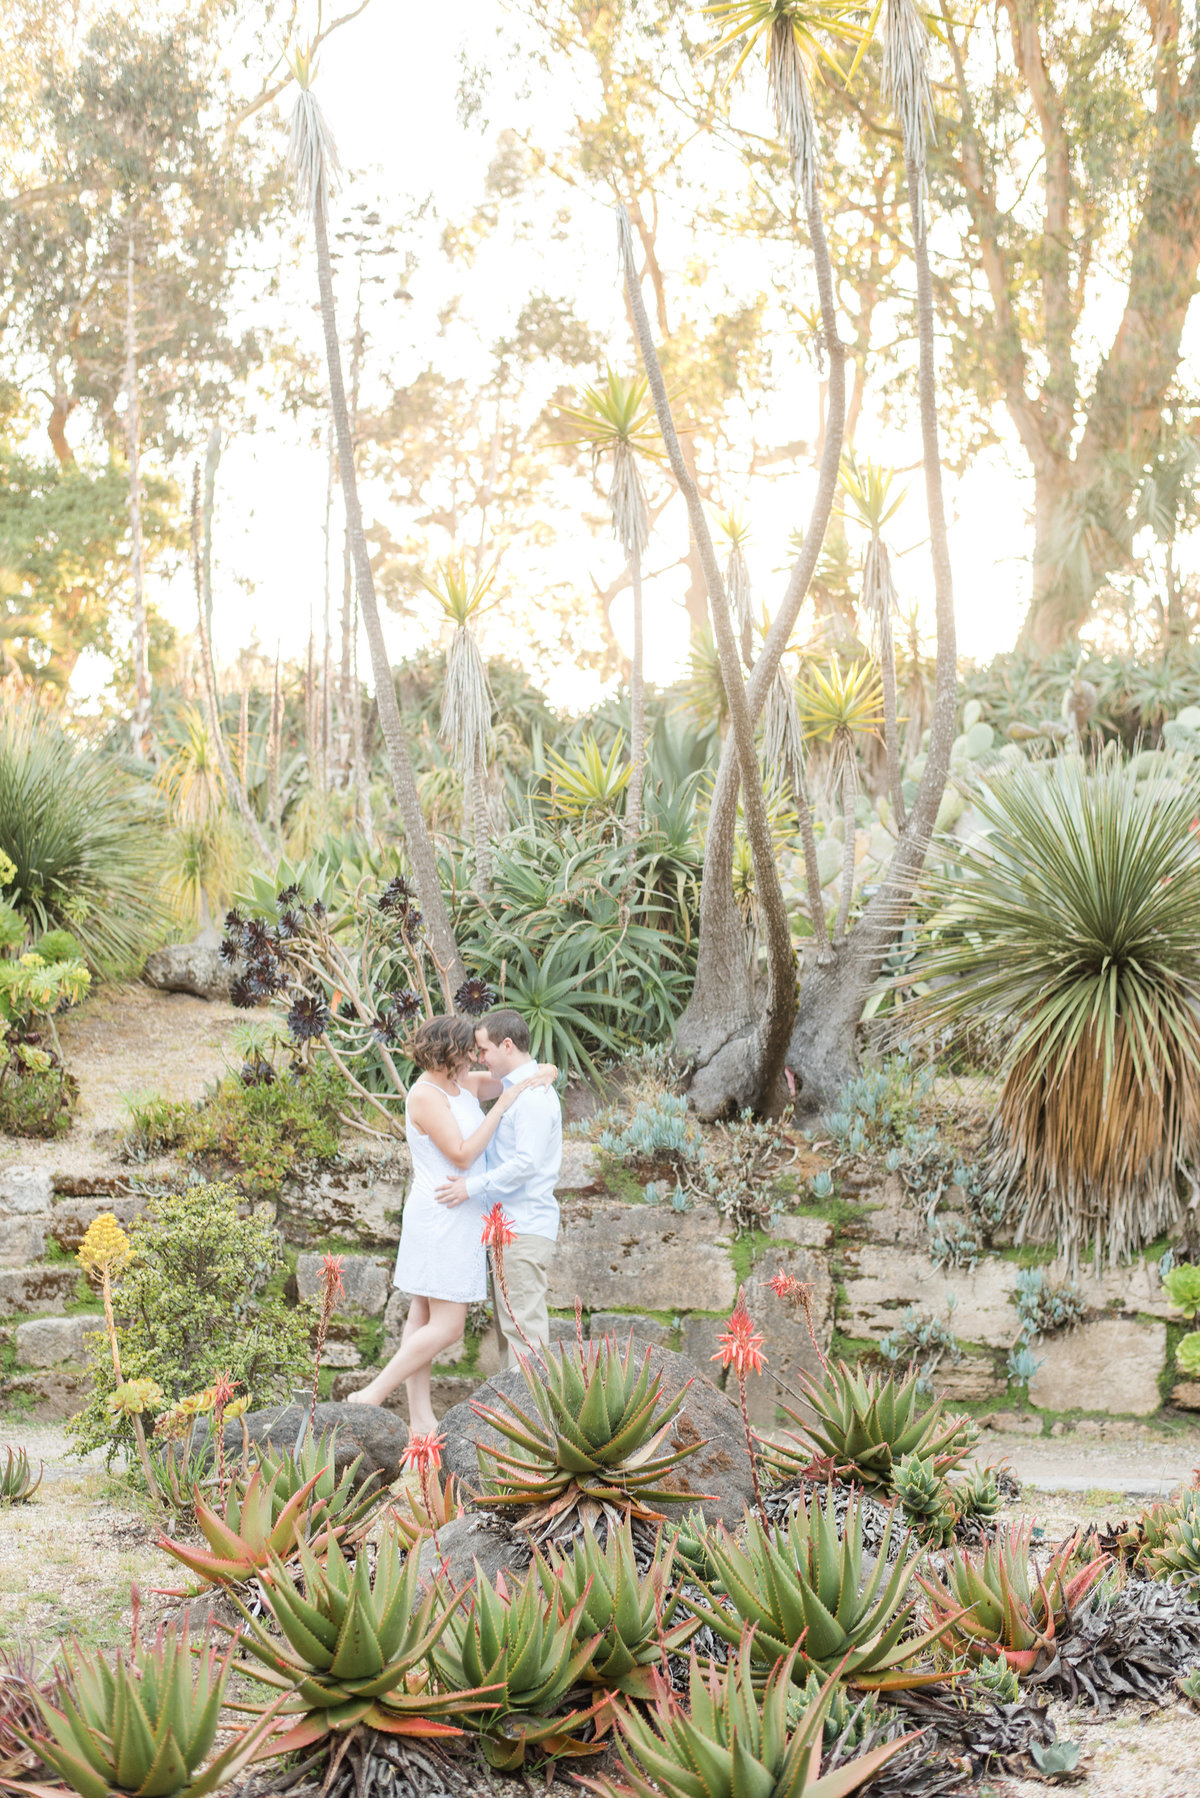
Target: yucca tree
x=315, y=172
x=736, y=532
x=871, y=499
x=1074, y=924
x=785, y=759
x=467, y=703
x=615, y=418
x=836, y=707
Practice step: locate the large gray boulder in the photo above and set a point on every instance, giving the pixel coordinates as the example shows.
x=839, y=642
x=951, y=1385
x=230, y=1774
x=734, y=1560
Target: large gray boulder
x=189, y=968
x=378, y=1435
x=717, y=1477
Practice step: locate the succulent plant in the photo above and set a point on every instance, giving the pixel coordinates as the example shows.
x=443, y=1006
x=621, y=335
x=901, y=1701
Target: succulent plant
x=17, y=1484
x=1187, y=1354
x=630, y=1616
x=416, y=1514
x=529, y=1653
x=926, y=1500
x=252, y=1529
x=595, y=1442
x=355, y=1648
x=866, y=1423
x=806, y=1585
x=1189, y=1685
x=335, y=1503
x=144, y=1726
x=20, y=1715
x=978, y=1494
x=733, y=1741
x=995, y=1606
x=1182, y=1286
x=849, y=1717
x=1178, y=1553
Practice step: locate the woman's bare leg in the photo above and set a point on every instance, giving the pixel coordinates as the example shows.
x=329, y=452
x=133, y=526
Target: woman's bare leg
x=447, y=1319
x=421, y=1420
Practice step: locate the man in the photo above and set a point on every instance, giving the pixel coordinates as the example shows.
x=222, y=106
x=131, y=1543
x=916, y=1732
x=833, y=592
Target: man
x=521, y=1167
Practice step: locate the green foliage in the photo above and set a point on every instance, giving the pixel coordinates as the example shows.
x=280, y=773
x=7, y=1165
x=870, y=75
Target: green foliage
x=59, y=945
x=995, y=1605
x=630, y=1616
x=1177, y=1554
x=31, y=987
x=264, y=1129
x=1187, y=1354
x=145, y=1725
x=866, y=1423
x=1182, y=1287
x=926, y=1500
x=805, y=1590
x=196, y=1301
x=37, y=1095
x=17, y=1484
x=255, y=1523
x=735, y=1739
x=978, y=1494
x=336, y=1502
x=660, y=1126
x=595, y=1438
x=81, y=834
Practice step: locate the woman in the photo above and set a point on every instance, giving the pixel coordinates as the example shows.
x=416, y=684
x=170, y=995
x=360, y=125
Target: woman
x=441, y=1259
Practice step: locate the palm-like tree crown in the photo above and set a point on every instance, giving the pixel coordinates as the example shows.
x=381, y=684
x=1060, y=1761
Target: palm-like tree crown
x=735, y=529
x=466, y=696
x=870, y=494
x=616, y=417
x=312, y=158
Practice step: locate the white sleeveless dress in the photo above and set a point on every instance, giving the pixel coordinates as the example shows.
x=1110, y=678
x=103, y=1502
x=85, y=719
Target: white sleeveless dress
x=441, y=1253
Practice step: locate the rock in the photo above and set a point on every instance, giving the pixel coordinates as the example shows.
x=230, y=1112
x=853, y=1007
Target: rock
x=340, y=1354
x=356, y=1204
x=619, y=1324
x=395, y=1312
x=807, y=1232
x=721, y=1468
x=188, y=968
x=894, y=1218
x=612, y=1254
x=1135, y=1289
x=366, y=1281
x=69, y=1221
x=376, y=1433
x=36, y=1288
x=883, y=1282
x=579, y=1170
x=1111, y=1365
x=698, y=1341
x=26, y=1190
x=789, y=1347
x=488, y=1362
x=1186, y=1395
x=22, y=1239
x=448, y=1390
x=481, y=1536
x=972, y=1380
x=53, y=1394
x=1012, y=1423
x=49, y=1341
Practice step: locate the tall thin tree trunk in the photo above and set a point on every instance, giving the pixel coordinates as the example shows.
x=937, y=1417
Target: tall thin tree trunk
x=812, y=869
x=362, y=784
x=420, y=848
x=481, y=825
x=637, y=708
x=244, y=733
x=891, y=726
x=327, y=648
x=349, y=694
x=849, y=844
x=141, y=632
x=202, y=553
x=274, y=735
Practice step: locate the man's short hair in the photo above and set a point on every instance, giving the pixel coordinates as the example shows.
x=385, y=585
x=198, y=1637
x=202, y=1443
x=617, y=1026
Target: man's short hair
x=506, y=1023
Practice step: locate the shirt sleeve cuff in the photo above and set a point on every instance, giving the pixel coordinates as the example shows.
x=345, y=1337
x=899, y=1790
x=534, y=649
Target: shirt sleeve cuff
x=476, y=1185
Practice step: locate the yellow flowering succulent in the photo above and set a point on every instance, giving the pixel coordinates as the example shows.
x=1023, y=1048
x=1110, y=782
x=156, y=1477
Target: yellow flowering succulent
x=106, y=1248
x=132, y=1397
x=238, y=1407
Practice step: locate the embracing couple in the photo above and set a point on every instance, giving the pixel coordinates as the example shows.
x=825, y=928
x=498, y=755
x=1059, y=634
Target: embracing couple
x=464, y=1162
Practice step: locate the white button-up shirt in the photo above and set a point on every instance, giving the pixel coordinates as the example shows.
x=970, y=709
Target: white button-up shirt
x=524, y=1159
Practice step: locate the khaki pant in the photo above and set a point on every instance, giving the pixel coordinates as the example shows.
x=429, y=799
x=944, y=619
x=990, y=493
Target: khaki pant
x=526, y=1272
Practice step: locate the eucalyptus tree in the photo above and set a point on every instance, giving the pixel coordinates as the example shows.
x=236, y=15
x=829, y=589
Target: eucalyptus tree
x=732, y=1047
x=467, y=704
x=615, y=419
x=315, y=171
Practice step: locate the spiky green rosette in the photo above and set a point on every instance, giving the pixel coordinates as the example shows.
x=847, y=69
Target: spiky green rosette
x=865, y=1423
x=977, y=1494
x=632, y=1617
x=1177, y=1555
x=17, y=1484
x=253, y=1526
x=144, y=1726
x=529, y=1654
x=732, y=1740
x=335, y=1501
x=806, y=1585
x=925, y=1499
x=998, y=1605
x=355, y=1648
x=593, y=1443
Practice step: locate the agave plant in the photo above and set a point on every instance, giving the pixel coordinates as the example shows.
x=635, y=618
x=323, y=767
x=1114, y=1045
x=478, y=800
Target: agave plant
x=926, y=1499
x=355, y=1648
x=1177, y=1554
x=733, y=1741
x=529, y=1653
x=1075, y=917
x=334, y=1501
x=17, y=1484
x=995, y=1607
x=595, y=1443
x=806, y=1586
x=252, y=1529
x=866, y=1423
x=144, y=1726
x=627, y=1618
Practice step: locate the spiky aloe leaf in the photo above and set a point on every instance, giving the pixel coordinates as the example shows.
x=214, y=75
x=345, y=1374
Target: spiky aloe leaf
x=867, y=1423
x=631, y=1615
x=998, y=1605
x=252, y=1529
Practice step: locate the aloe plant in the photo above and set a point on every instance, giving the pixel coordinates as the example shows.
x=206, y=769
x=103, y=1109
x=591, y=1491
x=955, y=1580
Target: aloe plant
x=631, y=1616
x=416, y=1514
x=1177, y=1554
x=806, y=1586
x=595, y=1441
x=926, y=1500
x=144, y=1726
x=17, y=1484
x=355, y=1648
x=978, y=1494
x=252, y=1528
x=995, y=1607
x=530, y=1652
x=733, y=1741
x=866, y=1423
x=335, y=1502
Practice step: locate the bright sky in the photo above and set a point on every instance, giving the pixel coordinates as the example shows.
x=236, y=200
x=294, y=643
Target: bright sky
x=387, y=84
